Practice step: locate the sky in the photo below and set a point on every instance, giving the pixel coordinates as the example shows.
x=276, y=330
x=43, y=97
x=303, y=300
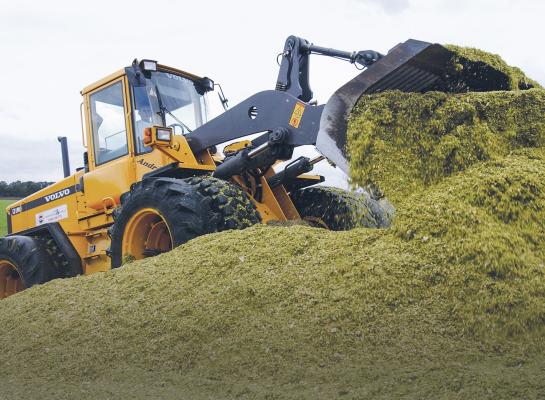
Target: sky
x=51, y=50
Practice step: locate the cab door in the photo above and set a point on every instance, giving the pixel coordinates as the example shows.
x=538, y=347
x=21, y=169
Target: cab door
x=111, y=161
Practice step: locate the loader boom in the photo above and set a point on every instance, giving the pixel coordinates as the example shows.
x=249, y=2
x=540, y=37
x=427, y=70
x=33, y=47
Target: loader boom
x=410, y=66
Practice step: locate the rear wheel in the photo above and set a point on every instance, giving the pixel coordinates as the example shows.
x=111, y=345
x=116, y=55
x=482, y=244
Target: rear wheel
x=160, y=214
x=24, y=262
x=340, y=210
x=10, y=281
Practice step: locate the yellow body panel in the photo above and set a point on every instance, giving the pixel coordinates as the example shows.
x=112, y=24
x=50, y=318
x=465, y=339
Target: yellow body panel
x=103, y=82
x=234, y=147
x=104, y=186
x=31, y=214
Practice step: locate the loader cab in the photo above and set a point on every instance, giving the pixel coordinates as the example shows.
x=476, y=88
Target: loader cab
x=118, y=109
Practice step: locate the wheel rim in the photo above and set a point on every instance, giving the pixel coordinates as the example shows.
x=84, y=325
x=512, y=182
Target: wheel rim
x=146, y=234
x=10, y=281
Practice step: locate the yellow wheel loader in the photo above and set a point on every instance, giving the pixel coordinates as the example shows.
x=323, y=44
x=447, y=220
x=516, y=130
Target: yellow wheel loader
x=153, y=177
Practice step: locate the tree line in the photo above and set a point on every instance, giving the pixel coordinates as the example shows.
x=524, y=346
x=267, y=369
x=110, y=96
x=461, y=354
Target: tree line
x=20, y=189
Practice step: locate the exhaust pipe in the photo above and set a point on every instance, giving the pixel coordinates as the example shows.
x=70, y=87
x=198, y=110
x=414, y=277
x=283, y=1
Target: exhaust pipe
x=65, y=160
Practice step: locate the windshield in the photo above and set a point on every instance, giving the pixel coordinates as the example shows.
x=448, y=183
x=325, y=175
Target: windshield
x=167, y=100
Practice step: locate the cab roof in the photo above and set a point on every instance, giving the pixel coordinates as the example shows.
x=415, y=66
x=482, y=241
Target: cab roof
x=121, y=72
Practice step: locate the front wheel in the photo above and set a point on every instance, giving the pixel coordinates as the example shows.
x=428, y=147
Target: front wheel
x=341, y=210
x=160, y=214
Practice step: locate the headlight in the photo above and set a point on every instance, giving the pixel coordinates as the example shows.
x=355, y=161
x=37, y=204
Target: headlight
x=147, y=136
x=164, y=135
x=148, y=65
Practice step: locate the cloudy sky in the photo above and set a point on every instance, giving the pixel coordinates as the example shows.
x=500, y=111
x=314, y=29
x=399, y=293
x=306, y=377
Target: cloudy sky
x=50, y=50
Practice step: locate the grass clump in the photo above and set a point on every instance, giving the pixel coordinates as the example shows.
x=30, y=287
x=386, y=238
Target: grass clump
x=477, y=70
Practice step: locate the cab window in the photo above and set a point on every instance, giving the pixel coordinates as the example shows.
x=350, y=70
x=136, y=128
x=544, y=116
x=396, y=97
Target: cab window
x=166, y=99
x=108, y=124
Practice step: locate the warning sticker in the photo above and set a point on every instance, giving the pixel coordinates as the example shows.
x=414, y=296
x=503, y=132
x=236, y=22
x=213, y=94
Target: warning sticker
x=297, y=115
x=52, y=215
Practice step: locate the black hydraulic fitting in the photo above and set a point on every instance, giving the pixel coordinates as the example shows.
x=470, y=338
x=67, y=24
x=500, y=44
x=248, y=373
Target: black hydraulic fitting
x=233, y=165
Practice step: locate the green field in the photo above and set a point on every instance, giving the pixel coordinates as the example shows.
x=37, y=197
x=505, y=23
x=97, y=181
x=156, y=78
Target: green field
x=3, y=223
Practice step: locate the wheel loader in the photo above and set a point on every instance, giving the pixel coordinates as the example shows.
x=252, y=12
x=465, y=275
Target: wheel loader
x=153, y=177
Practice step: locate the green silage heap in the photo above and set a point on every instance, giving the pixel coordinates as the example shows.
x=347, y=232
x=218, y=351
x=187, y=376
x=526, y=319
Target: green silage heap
x=465, y=172
x=448, y=303
x=281, y=312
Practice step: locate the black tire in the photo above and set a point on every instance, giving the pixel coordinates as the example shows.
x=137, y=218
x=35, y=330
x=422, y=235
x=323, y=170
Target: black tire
x=341, y=210
x=30, y=259
x=190, y=207
x=60, y=264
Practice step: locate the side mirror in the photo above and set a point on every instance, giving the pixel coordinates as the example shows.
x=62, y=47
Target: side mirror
x=158, y=136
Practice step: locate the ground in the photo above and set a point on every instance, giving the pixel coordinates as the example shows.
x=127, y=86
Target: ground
x=3, y=222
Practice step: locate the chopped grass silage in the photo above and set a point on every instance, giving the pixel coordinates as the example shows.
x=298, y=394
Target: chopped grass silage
x=272, y=312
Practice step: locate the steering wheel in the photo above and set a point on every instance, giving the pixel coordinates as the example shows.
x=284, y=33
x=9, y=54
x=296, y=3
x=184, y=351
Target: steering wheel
x=177, y=125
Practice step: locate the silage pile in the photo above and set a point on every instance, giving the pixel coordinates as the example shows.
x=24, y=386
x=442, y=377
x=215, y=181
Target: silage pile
x=448, y=303
x=465, y=171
